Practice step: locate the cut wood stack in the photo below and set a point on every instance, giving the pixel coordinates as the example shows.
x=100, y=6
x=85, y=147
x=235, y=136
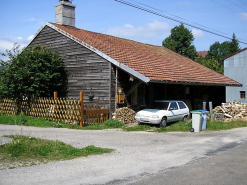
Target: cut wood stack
x=232, y=111
x=125, y=115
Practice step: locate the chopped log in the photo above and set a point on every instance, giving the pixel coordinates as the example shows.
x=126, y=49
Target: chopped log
x=227, y=115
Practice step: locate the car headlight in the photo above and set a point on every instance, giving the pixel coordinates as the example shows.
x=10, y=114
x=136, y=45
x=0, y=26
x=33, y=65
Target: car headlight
x=137, y=115
x=154, y=116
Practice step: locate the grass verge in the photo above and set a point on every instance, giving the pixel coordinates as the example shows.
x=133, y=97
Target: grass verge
x=109, y=124
x=27, y=151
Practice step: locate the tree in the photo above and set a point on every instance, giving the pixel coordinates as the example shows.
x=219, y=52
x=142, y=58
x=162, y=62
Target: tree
x=181, y=41
x=36, y=71
x=218, y=51
x=234, y=44
x=212, y=64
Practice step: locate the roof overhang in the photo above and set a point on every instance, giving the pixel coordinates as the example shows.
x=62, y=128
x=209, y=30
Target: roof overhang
x=194, y=83
x=114, y=62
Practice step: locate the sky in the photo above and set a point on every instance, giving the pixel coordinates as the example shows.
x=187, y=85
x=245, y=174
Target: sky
x=21, y=19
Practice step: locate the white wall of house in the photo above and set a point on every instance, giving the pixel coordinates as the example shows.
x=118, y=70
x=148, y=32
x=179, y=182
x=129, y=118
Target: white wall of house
x=235, y=67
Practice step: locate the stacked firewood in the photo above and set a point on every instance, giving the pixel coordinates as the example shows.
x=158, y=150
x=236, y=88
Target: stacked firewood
x=125, y=115
x=232, y=111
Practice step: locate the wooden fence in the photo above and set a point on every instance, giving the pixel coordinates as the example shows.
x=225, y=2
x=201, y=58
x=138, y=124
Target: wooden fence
x=57, y=109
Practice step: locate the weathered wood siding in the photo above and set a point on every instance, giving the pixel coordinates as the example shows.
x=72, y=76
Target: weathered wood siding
x=86, y=69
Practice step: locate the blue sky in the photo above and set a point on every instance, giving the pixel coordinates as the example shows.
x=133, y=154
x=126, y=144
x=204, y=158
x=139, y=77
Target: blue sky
x=20, y=20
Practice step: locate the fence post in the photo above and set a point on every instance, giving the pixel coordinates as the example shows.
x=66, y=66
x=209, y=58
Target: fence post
x=82, y=113
x=55, y=104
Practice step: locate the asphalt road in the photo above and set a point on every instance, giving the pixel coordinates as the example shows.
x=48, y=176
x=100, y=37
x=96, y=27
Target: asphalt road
x=139, y=158
x=226, y=168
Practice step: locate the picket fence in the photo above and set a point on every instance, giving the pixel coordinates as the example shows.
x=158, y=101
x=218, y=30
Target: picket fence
x=67, y=110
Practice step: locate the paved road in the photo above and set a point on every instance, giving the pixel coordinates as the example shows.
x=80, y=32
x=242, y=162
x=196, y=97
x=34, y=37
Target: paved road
x=225, y=168
x=139, y=156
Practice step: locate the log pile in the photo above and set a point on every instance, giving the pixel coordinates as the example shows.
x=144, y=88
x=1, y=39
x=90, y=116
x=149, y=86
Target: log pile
x=232, y=111
x=125, y=115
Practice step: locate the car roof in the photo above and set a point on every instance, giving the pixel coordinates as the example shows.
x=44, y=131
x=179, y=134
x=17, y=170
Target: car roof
x=169, y=101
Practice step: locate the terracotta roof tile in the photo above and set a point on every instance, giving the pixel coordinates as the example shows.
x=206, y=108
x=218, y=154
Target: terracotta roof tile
x=155, y=62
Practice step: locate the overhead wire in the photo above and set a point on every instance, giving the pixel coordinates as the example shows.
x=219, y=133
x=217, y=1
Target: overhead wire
x=242, y=2
x=230, y=9
x=173, y=19
x=176, y=16
x=236, y=5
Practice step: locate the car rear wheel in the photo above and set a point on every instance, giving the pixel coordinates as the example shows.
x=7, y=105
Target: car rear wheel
x=185, y=118
x=163, y=122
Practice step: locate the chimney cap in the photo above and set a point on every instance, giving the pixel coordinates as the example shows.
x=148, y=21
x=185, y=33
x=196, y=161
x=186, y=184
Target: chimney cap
x=65, y=1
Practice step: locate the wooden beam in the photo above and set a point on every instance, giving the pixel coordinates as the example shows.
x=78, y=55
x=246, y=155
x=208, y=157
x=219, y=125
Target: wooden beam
x=133, y=88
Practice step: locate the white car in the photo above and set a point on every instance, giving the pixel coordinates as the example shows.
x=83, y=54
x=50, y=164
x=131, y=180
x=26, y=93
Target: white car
x=163, y=112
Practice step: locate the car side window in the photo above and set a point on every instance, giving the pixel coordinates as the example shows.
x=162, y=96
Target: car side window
x=181, y=105
x=173, y=106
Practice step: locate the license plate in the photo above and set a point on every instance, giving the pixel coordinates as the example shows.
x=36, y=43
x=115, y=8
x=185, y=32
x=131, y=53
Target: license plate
x=143, y=119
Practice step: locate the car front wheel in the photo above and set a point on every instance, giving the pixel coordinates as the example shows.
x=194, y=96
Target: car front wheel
x=163, y=122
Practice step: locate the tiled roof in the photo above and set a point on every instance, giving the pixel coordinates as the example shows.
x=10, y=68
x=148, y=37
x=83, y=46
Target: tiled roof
x=202, y=53
x=157, y=63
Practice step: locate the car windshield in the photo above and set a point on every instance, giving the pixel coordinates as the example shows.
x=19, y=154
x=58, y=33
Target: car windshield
x=160, y=105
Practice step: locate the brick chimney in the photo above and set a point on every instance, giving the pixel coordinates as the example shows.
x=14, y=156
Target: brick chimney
x=65, y=13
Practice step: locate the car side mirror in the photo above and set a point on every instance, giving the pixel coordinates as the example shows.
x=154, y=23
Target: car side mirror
x=171, y=109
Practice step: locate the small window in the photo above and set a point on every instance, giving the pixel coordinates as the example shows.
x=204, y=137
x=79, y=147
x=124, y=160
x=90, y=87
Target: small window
x=182, y=105
x=242, y=95
x=173, y=106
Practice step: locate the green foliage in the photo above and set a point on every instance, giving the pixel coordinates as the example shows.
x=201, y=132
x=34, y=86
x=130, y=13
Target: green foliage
x=113, y=124
x=234, y=44
x=24, y=149
x=219, y=51
x=181, y=41
x=36, y=71
x=212, y=64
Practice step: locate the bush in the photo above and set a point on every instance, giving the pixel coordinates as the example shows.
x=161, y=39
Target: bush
x=113, y=124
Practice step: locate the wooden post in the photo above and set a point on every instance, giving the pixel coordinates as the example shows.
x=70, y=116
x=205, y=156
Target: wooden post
x=55, y=105
x=116, y=93
x=55, y=95
x=82, y=113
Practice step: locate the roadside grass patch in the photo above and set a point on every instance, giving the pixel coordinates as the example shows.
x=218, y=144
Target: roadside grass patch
x=112, y=124
x=140, y=128
x=31, y=121
x=28, y=151
x=176, y=127
x=218, y=125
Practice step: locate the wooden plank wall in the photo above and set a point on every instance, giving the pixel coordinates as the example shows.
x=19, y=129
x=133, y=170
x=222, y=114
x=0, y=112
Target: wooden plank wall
x=86, y=69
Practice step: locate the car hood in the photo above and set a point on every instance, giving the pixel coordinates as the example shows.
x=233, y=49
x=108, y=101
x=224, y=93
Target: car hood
x=148, y=112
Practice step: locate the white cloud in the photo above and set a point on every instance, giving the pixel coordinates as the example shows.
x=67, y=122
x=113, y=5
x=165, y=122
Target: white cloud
x=8, y=43
x=29, y=20
x=197, y=33
x=154, y=30
x=30, y=37
x=243, y=16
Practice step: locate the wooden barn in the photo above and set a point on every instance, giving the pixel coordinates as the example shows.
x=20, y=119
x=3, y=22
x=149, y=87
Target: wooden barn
x=121, y=72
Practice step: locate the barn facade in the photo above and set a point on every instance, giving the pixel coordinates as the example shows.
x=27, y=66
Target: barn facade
x=121, y=72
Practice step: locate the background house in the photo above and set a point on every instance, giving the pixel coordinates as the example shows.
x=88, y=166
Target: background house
x=107, y=65
x=235, y=67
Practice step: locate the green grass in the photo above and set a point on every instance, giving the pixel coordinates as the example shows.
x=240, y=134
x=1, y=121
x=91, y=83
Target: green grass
x=109, y=124
x=39, y=122
x=26, y=151
x=218, y=125
x=31, y=121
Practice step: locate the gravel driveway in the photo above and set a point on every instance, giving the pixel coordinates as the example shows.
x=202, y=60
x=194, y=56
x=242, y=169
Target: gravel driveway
x=138, y=155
